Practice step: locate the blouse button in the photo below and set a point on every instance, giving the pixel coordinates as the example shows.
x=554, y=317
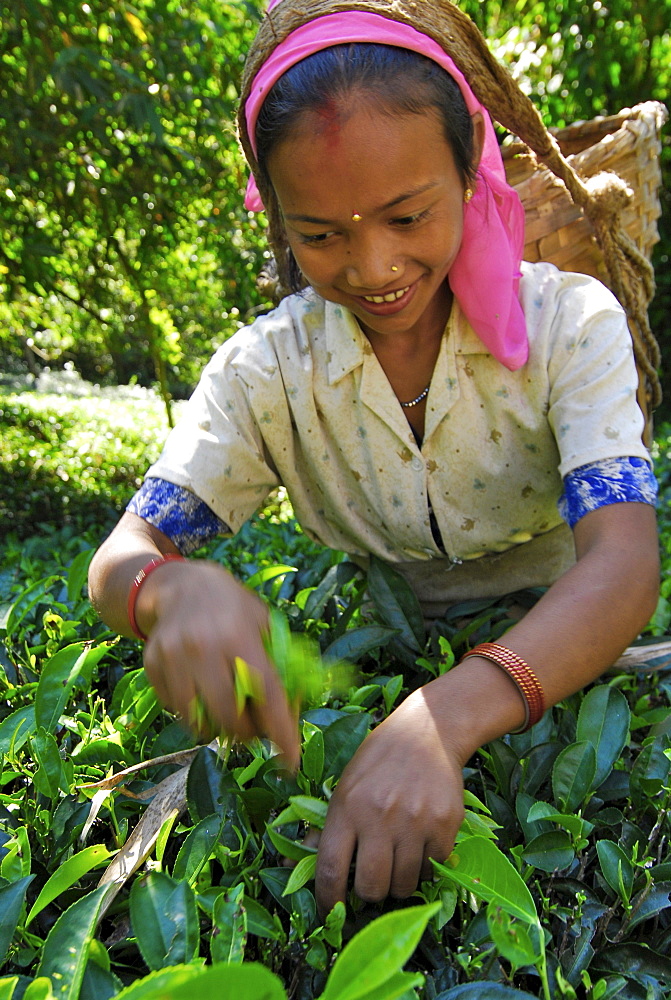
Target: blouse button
x=417, y=464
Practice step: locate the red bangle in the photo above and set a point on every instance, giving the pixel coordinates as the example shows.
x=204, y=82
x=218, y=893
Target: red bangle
x=521, y=673
x=137, y=583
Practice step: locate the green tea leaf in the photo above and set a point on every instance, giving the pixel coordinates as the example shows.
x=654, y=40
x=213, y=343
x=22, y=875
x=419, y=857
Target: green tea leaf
x=549, y=851
x=312, y=760
x=11, y=903
x=7, y=987
x=208, y=786
x=333, y=925
x=155, y=986
x=511, y=938
x=197, y=849
x=538, y=766
x=244, y=982
x=302, y=873
x=341, y=741
x=309, y=809
x=293, y=849
x=637, y=962
x=269, y=573
x=260, y=922
x=52, y=774
x=495, y=991
x=573, y=775
x=77, y=574
x=474, y=802
x=576, y=825
x=396, y=603
x=649, y=902
x=16, y=728
x=16, y=860
x=604, y=720
x=165, y=920
x=39, y=989
x=357, y=642
x=58, y=678
x=27, y=600
x=66, y=949
x=400, y=985
x=651, y=769
x=229, y=934
x=99, y=983
x=67, y=874
x=377, y=953
x=479, y=866
x=617, y=869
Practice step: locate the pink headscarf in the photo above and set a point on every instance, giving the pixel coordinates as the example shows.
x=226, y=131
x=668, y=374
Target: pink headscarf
x=485, y=275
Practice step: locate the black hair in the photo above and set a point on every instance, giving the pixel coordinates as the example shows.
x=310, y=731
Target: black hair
x=401, y=80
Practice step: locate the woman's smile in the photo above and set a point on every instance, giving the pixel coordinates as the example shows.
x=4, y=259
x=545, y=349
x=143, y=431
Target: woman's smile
x=389, y=297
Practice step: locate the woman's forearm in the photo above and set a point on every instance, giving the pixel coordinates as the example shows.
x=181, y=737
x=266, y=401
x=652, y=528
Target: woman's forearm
x=575, y=632
x=131, y=545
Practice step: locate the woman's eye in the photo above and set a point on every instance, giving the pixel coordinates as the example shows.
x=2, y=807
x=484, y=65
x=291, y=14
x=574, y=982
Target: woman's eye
x=314, y=239
x=410, y=220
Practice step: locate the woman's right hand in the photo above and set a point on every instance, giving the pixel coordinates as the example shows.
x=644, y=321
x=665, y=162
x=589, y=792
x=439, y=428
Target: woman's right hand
x=199, y=619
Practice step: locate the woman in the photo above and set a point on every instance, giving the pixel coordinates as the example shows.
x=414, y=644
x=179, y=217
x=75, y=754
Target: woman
x=427, y=399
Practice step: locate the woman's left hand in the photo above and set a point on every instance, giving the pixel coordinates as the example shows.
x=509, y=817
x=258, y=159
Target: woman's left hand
x=398, y=803
x=400, y=799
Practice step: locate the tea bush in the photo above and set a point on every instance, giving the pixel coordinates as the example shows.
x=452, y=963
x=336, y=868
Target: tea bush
x=135, y=864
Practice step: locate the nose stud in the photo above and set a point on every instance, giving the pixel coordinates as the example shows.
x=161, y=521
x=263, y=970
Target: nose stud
x=356, y=217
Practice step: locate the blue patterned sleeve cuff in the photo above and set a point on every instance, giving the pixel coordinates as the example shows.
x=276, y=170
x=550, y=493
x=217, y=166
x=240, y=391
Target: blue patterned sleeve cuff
x=178, y=513
x=613, y=480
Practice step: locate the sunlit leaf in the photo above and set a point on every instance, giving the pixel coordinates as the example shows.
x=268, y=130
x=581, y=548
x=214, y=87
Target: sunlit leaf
x=66, y=949
x=377, y=953
x=67, y=874
x=479, y=866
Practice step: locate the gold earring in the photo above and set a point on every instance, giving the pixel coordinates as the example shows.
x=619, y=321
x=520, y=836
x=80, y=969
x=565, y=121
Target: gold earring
x=468, y=194
x=394, y=268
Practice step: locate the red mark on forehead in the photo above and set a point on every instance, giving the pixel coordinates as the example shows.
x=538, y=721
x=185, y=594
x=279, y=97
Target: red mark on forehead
x=330, y=119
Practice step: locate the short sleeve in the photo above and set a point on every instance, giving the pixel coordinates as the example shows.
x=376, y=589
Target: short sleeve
x=593, y=410
x=217, y=449
x=615, y=480
x=186, y=520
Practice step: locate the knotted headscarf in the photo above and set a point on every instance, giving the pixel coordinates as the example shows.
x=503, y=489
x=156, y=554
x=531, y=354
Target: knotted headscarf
x=485, y=275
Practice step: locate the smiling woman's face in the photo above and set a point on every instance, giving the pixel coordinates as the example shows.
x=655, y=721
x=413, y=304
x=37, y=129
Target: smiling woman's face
x=373, y=209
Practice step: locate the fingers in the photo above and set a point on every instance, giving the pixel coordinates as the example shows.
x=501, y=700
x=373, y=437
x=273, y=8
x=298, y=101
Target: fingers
x=206, y=658
x=382, y=869
x=273, y=716
x=336, y=850
x=398, y=803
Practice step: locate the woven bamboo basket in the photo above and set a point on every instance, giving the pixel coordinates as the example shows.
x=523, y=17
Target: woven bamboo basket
x=556, y=230
x=628, y=144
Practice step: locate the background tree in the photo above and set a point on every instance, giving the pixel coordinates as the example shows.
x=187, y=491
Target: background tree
x=124, y=246
x=122, y=233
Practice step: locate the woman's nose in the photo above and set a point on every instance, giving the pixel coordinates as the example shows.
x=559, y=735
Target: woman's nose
x=370, y=264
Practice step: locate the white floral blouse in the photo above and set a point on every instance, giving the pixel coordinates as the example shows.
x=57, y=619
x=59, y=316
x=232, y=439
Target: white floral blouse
x=299, y=399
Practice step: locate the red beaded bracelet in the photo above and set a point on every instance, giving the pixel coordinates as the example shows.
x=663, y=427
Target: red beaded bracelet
x=523, y=676
x=137, y=583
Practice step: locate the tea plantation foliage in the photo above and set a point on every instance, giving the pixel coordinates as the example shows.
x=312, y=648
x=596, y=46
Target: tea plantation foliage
x=134, y=864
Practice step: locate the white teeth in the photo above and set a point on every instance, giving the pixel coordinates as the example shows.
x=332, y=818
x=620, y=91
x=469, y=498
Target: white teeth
x=390, y=297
